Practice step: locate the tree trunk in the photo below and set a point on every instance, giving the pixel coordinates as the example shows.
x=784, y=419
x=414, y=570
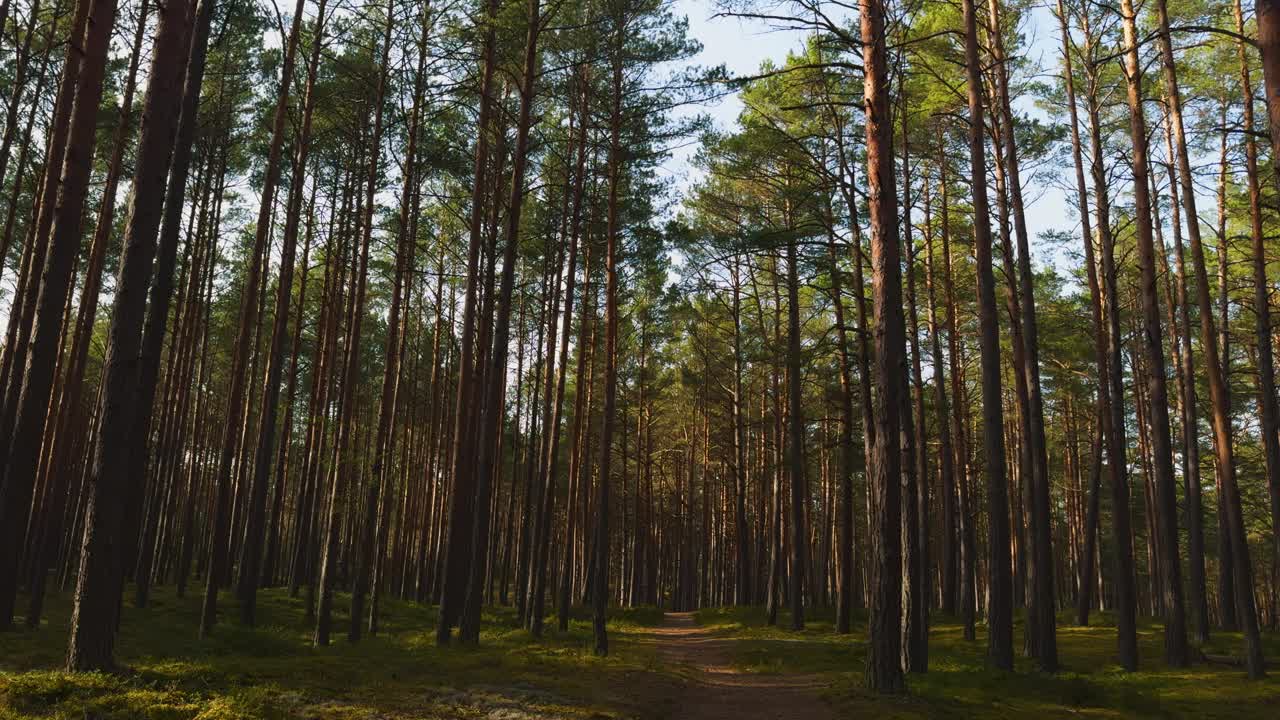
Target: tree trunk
x=884, y=669
x=491, y=418
x=1261, y=286
x=365, y=553
x=97, y=597
x=1114, y=426
x=247, y=319
x=194, y=44
x=67, y=166
x=22, y=62
x=914, y=430
x=1041, y=606
x=458, y=545
x=69, y=402
x=950, y=555
x=1000, y=581
x=1085, y=561
x=600, y=572
x=795, y=442
x=251, y=554
x=344, y=469
x=44, y=210
x=967, y=530
x=1175, y=627
x=848, y=452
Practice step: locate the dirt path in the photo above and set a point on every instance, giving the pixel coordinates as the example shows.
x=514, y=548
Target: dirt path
x=718, y=691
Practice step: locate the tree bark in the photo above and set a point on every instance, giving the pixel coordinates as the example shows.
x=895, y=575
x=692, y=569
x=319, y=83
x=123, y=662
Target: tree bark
x=1261, y=286
x=97, y=597
x=491, y=419
x=231, y=437
x=600, y=571
x=1042, y=631
x=195, y=43
x=950, y=555
x=364, y=554
x=884, y=669
x=71, y=122
x=1000, y=580
x=1114, y=423
x=345, y=468
x=458, y=544
x=1087, y=552
x=69, y=401
x=1175, y=628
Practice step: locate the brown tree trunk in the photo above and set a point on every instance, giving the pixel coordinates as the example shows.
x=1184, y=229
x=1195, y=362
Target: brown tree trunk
x=1000, y=581
x=742, y=533
x=17, y=483
x=322, y=370
x=795, y=442
x=18, y=87
x=915, y=481
x=579, y=462
x=364, y=553
x=22, y=311
x=487, y=456
x=24, y=154
x=221, y=527
x=329, y=478
x=1261, y=286
x=458, y=544
x=195, y=43
x=1040, y=607
x=275, y=530
x=600, y=571
x=1090, y=530
x=551, y=412
x=1175, y=627
x=97, y=597
x=396, y=335
x=848, y=451
x=949, y=551
x=884, y=669
x=345, y=470
x=1114, y=424
x=251, y=552
x=552, y=422
x=959, y=402
x=69, y=403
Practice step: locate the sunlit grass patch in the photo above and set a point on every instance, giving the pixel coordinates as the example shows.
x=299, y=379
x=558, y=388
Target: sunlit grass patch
x=272, y=670
x=960, y=683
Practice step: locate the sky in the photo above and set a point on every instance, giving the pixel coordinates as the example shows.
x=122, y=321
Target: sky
x=739, y=45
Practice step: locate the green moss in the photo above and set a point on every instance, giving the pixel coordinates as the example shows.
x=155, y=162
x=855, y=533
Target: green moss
x=273, y=671
x=960, y=685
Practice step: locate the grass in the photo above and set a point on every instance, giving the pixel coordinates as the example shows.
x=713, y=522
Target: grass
x=959, y=683
x=272, y=670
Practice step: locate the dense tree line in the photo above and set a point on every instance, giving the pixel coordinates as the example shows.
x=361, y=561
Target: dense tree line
x=370, y=299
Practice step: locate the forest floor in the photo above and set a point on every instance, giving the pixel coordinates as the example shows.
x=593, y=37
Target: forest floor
x=716, y=688
x=711, y=665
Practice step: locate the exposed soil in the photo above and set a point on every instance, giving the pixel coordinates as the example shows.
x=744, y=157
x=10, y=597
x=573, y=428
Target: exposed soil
x=716, y=690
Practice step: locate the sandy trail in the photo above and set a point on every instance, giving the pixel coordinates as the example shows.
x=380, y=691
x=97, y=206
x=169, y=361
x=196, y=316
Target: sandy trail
x=718, y=691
